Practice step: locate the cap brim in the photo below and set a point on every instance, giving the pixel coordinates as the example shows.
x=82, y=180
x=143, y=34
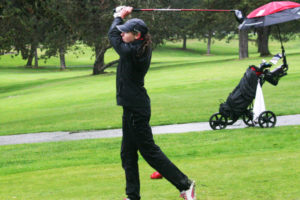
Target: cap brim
x=123, y=28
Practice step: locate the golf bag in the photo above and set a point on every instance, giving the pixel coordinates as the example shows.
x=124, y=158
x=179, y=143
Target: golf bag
x=241, y=97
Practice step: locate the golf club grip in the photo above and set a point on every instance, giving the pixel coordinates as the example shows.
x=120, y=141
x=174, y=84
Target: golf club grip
x=134, y=10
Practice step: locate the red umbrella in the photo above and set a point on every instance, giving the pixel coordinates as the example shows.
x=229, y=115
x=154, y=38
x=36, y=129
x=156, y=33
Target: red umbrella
x=272, y=8
x=272, y=13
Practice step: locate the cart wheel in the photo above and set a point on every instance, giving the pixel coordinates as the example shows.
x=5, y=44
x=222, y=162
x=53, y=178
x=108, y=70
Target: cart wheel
x=267, y=119
x=217, y=121
x=248, y=118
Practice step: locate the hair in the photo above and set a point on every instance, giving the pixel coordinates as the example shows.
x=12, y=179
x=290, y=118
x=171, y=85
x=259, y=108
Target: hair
x=146, y=46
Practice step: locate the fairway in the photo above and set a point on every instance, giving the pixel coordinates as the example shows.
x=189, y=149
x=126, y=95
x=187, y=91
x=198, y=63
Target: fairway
x=246, y=164
x=208, y=97
x=184, y=86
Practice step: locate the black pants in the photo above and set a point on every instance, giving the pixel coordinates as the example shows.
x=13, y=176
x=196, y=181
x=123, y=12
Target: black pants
x=137, y=136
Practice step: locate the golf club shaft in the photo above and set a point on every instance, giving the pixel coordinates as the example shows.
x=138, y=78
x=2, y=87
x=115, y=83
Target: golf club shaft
x=180, y=10
x=177, y=10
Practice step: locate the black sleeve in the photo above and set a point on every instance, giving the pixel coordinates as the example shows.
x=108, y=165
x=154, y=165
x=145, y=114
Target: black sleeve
x=114, y=36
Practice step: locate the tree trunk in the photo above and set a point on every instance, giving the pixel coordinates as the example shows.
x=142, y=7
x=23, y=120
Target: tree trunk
x=258, y=41
x=184, y=42
x=99, y=62
x=30, y=57
x=263, y=41
x=36, y=58
x=243, y=44
x=209, y=43
x=110, y=64
x=62, y=58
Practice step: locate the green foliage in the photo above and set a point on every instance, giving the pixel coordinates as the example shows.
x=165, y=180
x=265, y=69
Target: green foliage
x=57, y=25
x=25, y=25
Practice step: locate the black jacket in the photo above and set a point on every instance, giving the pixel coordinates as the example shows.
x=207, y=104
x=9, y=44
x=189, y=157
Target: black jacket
x=131, y=69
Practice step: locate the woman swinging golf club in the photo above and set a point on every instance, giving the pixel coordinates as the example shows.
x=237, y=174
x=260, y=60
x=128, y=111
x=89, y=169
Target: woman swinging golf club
x=132, y=42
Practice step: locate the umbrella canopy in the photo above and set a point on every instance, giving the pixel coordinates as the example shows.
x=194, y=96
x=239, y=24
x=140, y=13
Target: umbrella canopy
x=272, y=13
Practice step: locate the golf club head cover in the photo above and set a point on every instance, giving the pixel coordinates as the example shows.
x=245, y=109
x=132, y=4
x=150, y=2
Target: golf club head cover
x=274, y=76
x=264, y=65
x=118, y=10
x=239, y=16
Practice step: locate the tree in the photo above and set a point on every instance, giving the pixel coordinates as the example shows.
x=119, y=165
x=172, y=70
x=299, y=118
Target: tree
x=243, y=6
x=6, y=31
x=59, y=33
x=90, y=21
x=243, y=44
x=161, y=24
x=210, y=25
x=97, y=35
x=263, y=40
x=288, y=31
x=182, y=29
x=22, y=21
x=262, y=33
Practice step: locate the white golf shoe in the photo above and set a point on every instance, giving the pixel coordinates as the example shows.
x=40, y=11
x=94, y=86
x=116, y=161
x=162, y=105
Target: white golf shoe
x=189, y=194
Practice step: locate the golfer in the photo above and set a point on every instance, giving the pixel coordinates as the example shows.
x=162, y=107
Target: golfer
x=132, y=42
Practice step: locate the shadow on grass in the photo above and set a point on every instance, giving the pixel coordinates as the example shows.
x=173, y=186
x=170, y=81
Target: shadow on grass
x=185, y=64
x=197, y=52
x=41, y=82
x=45, y=69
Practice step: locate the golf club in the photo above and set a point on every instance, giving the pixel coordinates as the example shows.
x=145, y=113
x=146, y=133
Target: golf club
x=180, y=10
x=237, y=13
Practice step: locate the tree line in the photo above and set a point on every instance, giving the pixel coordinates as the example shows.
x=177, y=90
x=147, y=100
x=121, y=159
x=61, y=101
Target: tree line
x=55, y=26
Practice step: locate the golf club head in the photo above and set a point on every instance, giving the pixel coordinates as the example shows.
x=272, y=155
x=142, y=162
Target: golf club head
x=239, y=16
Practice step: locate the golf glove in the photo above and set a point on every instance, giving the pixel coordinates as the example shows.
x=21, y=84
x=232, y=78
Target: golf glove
x=118, y=11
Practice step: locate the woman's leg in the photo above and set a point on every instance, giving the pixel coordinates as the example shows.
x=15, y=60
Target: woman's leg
x=129, y=158
x=152, y=153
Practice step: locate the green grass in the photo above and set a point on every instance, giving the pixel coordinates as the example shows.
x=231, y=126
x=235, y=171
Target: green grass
x=184, y=86
x=246, y=164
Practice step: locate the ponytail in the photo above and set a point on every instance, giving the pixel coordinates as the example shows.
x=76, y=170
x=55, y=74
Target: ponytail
x=146, y=46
